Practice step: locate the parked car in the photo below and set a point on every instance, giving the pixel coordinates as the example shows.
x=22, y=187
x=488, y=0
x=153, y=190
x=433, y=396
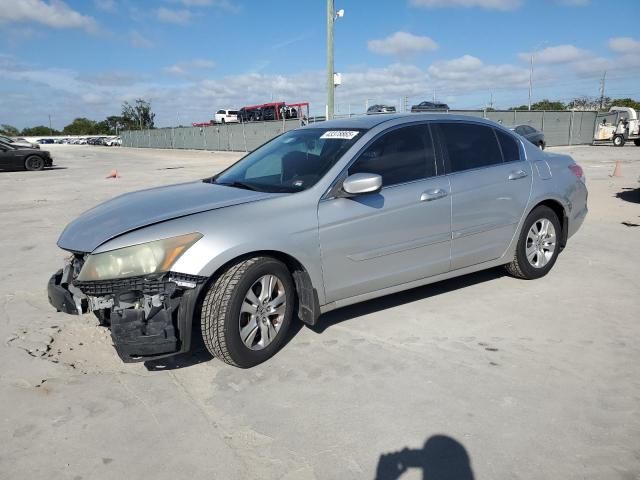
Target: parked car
x=113, y=141
x=318, y=218
x=534, y=136
x=381, y=109
x=46, y=141
x=19, y=142
x=12, y=157
x=430, y=107
x=226, y=116
x=269, y=112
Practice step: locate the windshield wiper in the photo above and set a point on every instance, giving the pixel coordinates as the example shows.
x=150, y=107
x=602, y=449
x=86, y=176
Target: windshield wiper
x=238, y=184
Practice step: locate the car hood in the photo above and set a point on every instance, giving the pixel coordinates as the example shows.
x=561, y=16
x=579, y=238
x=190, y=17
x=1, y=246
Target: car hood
x=134, y=210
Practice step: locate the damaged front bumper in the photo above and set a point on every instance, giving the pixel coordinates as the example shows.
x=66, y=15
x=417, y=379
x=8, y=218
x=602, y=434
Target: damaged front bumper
x=150, y=317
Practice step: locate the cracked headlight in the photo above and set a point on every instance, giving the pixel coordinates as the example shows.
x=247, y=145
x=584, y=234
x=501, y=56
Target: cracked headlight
x=144, y=259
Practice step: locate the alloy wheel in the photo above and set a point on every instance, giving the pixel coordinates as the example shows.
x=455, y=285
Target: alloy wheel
x=541, y=243
x=262, y=312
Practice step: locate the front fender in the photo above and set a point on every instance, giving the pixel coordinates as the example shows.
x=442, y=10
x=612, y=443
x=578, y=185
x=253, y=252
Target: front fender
x=286, y=224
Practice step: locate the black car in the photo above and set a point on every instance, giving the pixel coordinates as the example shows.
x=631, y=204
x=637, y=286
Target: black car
x=15, y=158
x=252, y=115
x=534, y=136
x=381, y=109
x=430, y=107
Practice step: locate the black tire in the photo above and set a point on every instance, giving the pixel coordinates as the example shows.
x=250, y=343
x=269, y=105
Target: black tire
x=618, y=141
x=220, y=317
x=520, y=266
x=541, y=145
x=637, y=142
x=34, y=163
x=223, y=121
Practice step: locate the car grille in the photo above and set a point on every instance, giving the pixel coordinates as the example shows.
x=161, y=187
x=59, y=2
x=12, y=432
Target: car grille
x=146, y=285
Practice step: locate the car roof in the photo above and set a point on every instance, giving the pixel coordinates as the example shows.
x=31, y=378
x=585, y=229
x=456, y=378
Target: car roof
x=370, y=121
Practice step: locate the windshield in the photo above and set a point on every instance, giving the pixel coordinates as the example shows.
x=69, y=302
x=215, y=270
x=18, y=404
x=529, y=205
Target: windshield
x=292, y=162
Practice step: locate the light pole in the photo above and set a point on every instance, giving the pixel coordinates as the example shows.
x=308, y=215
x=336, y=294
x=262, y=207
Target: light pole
x=331, y=17
x=530, y=79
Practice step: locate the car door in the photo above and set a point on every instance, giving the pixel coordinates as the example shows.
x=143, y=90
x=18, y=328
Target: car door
x=7, y=157
x=490, y=188
x=400, y=234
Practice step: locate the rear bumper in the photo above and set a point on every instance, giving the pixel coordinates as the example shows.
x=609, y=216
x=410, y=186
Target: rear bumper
x=148, y=320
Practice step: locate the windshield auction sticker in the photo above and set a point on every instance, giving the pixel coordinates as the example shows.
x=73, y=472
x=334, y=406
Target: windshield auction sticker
x=340, y=134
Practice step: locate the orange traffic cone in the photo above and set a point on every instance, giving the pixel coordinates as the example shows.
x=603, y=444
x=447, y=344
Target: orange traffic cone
x=617, y=172
x=113, y=174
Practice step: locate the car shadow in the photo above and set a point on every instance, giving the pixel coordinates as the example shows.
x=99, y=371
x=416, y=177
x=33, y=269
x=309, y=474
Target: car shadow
x=198, y=352
x=629, y=195
x=408, y=296
x=441, y=458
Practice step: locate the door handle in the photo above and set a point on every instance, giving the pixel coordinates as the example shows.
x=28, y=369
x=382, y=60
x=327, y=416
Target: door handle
x=433, y=194
x=517, y=174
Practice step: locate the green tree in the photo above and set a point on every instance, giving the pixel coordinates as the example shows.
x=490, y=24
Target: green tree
x=9, y=130
x=39, y=131
x=548, y=105
x=138, y=116
x=81, y=126
x=584, y=103
x=624, y=102
x=545, y=104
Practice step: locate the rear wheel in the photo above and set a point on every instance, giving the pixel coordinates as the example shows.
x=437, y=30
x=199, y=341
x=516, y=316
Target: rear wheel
x=538, y=245
x=541, y=145
x=247, y=311
x=34, y=163
x=618, y=141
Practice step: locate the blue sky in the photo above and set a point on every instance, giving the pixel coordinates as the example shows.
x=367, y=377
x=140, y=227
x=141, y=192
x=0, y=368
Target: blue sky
x=191, y=57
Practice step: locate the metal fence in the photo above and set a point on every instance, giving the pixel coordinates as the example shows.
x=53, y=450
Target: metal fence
x=559, y=127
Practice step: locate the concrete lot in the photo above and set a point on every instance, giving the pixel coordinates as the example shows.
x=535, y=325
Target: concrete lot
x=484, y=377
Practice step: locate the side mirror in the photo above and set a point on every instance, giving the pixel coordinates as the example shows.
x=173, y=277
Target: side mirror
x=359, y=183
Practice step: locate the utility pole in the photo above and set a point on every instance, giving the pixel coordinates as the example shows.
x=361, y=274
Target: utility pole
x=434, y=95
x=330, y=86
x=50, y=129
x=602, y=85
x=530, y=79
x=491, y=102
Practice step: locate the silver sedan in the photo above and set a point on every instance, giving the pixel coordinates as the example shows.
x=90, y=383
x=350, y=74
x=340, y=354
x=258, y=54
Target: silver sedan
x=318, y=218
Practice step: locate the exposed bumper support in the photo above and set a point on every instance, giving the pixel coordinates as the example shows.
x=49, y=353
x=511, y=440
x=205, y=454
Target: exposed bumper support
x=150, y=318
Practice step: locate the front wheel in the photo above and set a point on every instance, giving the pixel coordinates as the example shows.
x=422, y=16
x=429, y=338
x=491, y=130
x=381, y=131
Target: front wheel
x=34, y=163
x=247, y=311
x=618, y=141
x=538, y=245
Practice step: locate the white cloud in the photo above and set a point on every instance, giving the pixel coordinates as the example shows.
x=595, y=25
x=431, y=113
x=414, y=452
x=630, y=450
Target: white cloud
x=138, y=40
x=222, y=4
x=402, y=44
x=187, y=67
x=574, y=3
x=55, y=14
x=470, y=73
x=179, y=17
x=625, y=45
x=105, y=5
x=558, y=54
x=487, y=4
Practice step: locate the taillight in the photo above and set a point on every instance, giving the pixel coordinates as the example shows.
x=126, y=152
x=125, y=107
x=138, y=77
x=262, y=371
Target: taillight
x=577, y=171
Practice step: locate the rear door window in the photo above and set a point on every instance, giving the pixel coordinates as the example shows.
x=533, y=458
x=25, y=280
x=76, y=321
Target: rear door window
x=509, y=146
x=466, y=146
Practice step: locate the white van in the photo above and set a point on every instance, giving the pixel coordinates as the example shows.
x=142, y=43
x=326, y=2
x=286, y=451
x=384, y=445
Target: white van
x=226, y=116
